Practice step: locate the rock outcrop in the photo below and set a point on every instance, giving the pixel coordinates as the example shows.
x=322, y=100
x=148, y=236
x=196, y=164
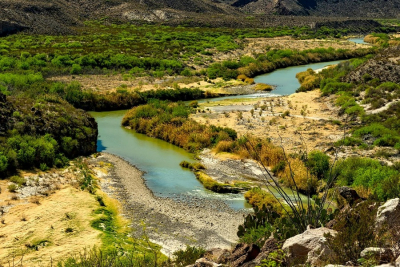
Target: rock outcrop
x=243, y=253
x=381, y=255
x=308, y=247
x=385, y=66
x=349, y=194
x=7, y=27
x=388, y=214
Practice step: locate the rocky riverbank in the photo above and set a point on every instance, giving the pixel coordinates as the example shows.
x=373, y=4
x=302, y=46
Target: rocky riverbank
x=173, y=224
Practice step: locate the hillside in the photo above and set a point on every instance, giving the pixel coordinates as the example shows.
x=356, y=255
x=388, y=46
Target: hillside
x=60, y=16
x=332, y=8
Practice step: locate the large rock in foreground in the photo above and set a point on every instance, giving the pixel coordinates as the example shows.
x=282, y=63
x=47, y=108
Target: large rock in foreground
x=388, y=214
x=309, y=247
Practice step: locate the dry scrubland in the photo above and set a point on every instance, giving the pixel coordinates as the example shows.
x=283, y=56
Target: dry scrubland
x=289, y=120
x=47, y=220
x=251, y=47
x=49, y=217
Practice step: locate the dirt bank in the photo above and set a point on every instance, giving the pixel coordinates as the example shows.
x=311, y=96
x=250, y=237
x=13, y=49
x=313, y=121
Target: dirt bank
x=170, y=223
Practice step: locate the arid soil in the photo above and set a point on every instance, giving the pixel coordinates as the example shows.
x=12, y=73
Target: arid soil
x=308, y=124
x=170, y=223
x=48, y=220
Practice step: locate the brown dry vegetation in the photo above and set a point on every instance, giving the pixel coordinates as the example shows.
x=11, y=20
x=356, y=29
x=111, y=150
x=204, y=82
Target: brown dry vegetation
x=46, y=228
x=309, y=118
x=111, y=83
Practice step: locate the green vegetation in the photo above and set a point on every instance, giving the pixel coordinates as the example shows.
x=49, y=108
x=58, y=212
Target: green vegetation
x=275, y=59
x=356, y=231
x=26, y=61
x=382, y=39
x=118, y=249
x=188, y=256
x=43, y=133
x=258, y=197
x=170, y=122
x=192, y=166
x=369, y=175
x=217, y=187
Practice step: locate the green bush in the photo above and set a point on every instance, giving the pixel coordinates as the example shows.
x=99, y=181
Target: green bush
x=76, y=69
x=318, y=163
x=18, y=180
x=3, y=163
x=188, y=256
x=382, y=181
x=335, y=87
x=356, y=231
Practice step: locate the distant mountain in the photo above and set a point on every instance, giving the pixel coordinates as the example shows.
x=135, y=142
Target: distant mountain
x=57, y=16
x=336, y=8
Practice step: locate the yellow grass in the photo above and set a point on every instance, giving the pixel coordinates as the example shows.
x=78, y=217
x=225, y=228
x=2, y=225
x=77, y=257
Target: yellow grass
x=27, y=224
x=263, y=87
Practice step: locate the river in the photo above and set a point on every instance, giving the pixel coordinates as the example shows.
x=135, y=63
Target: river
x=160, y=160
x=358, y=40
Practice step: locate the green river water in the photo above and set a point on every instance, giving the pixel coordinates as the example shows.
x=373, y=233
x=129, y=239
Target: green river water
x=160, y=160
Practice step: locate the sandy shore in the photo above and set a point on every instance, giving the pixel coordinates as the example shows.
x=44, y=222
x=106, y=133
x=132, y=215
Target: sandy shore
x=173, y=224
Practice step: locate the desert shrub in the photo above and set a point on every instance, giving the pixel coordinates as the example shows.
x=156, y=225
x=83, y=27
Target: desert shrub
x=76, y=69
x=188, y=256
x=225, y=146
x=297, y=176
x=12, y=188
x=192, y=166
x=384, y=136
x=381, y=181
x=3, y=163
x=263, y=87
x=257, y=197
x=348, y=141
x=276, y=258
x=335, y=87
x=18, y=180
x=318, y=163
x=356, y=231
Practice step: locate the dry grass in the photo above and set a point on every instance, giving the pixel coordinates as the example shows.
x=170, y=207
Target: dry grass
x=263, y=87
x=308, y=121
x=297, y=171
x=36, y=228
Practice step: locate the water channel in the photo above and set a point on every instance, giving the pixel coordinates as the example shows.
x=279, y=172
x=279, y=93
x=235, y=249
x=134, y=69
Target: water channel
x=357, y=40
x=160, y=160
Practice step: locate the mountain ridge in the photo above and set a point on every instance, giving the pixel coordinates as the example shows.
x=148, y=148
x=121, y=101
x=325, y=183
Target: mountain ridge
x=60, y=16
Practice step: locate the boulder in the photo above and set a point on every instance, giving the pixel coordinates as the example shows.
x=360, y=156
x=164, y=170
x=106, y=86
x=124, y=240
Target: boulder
x=382, y=255
x=269, y=246
x=389, y=214
x=308, y=247
x=203, y=262
x=397, y=263
x=243, y=253
x=217, y=255
x=349, y=194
